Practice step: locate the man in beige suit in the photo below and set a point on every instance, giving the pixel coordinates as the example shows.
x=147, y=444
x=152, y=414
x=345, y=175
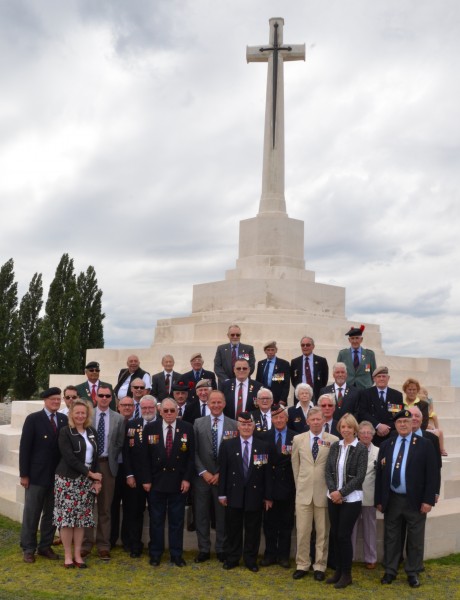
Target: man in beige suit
x=309, y=454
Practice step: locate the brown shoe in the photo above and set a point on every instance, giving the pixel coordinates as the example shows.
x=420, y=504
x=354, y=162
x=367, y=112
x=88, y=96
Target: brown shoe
x=48, y=553
x=85, y=553
x=28, y=557
x=103, y=554
x=371, y=565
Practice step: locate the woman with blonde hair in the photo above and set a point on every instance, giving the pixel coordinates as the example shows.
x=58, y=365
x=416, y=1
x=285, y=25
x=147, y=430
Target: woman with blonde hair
x=411, y=387
x=77, y=481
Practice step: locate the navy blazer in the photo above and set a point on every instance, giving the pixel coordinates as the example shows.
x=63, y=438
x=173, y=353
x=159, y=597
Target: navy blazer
x=350, y=401
x=296, y=419
x=166, y=474
x=371, y=409
x=229, y=393
x=159, y=384
x=249, y=493
x=421, y=469
x=320, y=373
x=281, y=379
x=223, y=361
x=282, y=477
x=38, y=449
x=189, y=379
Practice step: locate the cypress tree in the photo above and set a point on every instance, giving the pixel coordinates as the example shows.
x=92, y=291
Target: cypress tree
x=91, y=329
x=8, y=326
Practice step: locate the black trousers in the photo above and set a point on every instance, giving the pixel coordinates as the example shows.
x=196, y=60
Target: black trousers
x=278, y=525
x=134, y=504
x=119, y=497
x=343, y=518
x=241, y=523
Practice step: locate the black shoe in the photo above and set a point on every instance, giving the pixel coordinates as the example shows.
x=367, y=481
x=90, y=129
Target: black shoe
x=344, y=581
x=284, y=562
x=413, y=581
x=387, y=579
x=202, y=557
x=334, y=578
x=228, y=566
x=221, y=557
x=319, y=576
x=252, y=568
x=155, y=561
x=135, y=554
x=191, y=526
x=298, y=574
x=178, y=561
x=266, y=562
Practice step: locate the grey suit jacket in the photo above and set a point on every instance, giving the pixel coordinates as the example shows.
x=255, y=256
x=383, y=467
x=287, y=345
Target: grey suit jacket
x=204, y=459
x=116, y=437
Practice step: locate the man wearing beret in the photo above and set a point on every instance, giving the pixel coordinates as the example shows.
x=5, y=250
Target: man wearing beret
x=193, y=377
x=274, y=373
x=199, y=407
x=405, y=491
x=379, y=404
x=359, y=361
x=88, y=389
x=38, y=458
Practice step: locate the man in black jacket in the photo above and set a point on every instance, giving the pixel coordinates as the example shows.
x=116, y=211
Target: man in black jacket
x=38, y=458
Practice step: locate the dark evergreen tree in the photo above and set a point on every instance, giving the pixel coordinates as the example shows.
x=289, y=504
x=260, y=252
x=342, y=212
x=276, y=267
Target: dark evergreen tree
x=60, y=331
x=8, y=326
x=91, y=329
x=29, y=323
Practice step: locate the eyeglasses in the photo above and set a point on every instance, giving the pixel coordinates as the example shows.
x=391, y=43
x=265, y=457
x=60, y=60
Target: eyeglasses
x=104, y=395
x=169, y=410
x=264, y=398
x=241, y=369
x=235, y=335
x=306, y=345
x=138, y=387
x=70, y=397
x=126, y=405
x=326, y=405
x=93, y=370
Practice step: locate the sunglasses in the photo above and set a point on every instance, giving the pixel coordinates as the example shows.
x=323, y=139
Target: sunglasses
x=169, y=410
x=327, y=405
x=138, y=387
x=241, y=369
x=104, y=395
x=93, y=370
x=235, y=335
x=306, y=345
x=70, y=397
x=126, y=405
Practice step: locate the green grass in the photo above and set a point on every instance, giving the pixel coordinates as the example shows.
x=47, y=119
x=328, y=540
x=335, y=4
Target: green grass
x=135, y=579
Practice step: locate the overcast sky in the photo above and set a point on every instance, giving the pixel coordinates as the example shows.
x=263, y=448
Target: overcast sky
x=131, y=138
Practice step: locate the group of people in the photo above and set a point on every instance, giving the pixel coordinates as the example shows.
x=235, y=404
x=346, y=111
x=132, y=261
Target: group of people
x=229, y=446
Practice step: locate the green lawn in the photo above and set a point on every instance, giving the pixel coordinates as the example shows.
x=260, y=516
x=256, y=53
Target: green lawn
x=135, y=579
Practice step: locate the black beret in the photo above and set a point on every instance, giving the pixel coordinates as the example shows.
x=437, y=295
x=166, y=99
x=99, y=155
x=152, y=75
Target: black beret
x=402, y=414
x=53, y=391
x=92, y=365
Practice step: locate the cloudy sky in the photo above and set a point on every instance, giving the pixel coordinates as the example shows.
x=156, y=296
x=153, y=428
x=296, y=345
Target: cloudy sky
x=131, y=138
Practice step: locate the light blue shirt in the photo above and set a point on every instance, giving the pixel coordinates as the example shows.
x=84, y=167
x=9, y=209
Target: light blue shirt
x=270, y=368
x=360, y=352
x=401, y=489
x=283, y=436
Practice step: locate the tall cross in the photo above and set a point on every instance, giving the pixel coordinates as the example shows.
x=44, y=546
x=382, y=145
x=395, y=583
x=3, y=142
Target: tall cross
x=272, y=198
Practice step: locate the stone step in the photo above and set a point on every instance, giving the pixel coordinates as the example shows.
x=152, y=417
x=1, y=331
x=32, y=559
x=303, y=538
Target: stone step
x=452, y=488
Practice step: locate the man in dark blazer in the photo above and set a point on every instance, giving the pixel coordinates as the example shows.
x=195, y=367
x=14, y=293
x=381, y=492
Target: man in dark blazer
x=405, y=490
x=228, y=354
x=262, y=415
x=240, y=392
x=346, y=397
x=191, y=378
x=167, y=472
x=133, y=454
x=279, y=520
x=128, y=375
x=38, y=458
x=379, y=404
x=360, y=362
x=88, y=389
x=163, y=382
x=275, y=374
x=310, y=368
x=210, y=432
x=245, y=491
x=198, y=408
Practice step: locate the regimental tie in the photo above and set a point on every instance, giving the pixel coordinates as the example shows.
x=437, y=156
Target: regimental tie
x=214, y=432
x=197, y=376
x=101, y=434
x=239, y=403
x=326, y=427
x=315, y=447
x=356, y=359
x=267, y=373
x=168, y=383
x=308, y=376
x=136, y=411
x=179, y=411
x=203, y=410
x=169, y=442
x=53, y=422
x=264, y=422
x=340, y=398
x=382, y=398
x=396, y=477
x=246, y=459
x=279, y=443
x=94, y=394
x=234, y=357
